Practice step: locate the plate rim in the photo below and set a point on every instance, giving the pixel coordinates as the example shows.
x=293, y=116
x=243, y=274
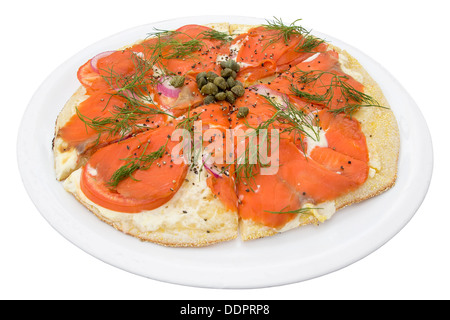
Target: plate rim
x=30, y=186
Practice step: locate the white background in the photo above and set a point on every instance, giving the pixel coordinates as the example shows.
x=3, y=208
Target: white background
x=409, y=38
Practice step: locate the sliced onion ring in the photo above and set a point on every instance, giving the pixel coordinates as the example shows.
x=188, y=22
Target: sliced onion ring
x=210, y=167
x=95, y=59
x=166, y=88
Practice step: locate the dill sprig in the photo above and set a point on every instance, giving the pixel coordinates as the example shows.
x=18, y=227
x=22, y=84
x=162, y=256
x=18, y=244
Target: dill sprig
x=138, y=104
x=143, y=162
x=287, y=118
x=169, y=46
x=284, y=32
x=247, y=164
x=297, y=119
x=298, y=211
x=349, y=96
x=188, y=120
x=181, y=49
x=212, y=34
x=308, y=43
x=134, y=87
x=121, y=122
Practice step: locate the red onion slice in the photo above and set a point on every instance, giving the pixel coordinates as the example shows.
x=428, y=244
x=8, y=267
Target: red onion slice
x=210, y=167
x=95, y=59
x=167, y=89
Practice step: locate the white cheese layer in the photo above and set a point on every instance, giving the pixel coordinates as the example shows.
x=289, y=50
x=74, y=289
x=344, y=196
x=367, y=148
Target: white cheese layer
x=313, y=57
x=194, y=207
x=65, y=161
x=313, y=140
x=322, y=212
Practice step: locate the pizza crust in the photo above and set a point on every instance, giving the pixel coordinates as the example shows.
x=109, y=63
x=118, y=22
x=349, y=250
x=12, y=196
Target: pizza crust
x=378, y=124
x=236, y=29
x=219, y=26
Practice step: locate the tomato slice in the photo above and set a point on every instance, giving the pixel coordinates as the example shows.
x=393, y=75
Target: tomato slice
x=148, y=187
x=87, y=76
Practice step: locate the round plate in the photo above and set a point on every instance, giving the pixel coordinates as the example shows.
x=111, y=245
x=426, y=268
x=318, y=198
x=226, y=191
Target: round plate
x=294, y=256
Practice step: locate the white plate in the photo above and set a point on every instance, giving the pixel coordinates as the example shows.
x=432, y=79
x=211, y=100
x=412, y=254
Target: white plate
x=294, y=256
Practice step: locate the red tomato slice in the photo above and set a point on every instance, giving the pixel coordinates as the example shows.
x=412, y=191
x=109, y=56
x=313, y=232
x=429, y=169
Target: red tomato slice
x=146, y=188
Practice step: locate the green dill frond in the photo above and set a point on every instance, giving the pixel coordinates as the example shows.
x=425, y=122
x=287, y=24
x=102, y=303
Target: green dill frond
x=349, y=96
x=350, y=109
x=212, y=34
x=298, y=211
x=121, y=121
x=284, y=32
x=143, y=162
x=299, y=121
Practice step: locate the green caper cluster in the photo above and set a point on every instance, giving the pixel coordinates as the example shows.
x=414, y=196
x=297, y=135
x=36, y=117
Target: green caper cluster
x=177, y=81
x=221, y=87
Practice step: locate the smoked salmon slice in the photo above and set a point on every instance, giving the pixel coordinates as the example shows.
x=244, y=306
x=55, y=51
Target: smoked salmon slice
x=105, y=117
x=262, y=52
x=322, y=175
x=304, y=180
x=344, y=135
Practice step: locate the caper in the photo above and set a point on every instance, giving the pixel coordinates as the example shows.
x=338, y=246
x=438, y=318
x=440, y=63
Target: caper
x=221, y=83
x=200, y=75
x=231, y=82
x=230, y=97
x=201, y=82
x=233, y=74
x=238, y=90
x=227, y=72
x=177, y=81
x=209, y=89
x=226, y=64
x=242, y=112
x=234, y=66
x=209, y=99
x=210, y=76
x=221, y=96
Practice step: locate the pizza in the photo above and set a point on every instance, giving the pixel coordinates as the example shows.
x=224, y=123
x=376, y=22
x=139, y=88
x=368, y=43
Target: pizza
x=210, y=133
